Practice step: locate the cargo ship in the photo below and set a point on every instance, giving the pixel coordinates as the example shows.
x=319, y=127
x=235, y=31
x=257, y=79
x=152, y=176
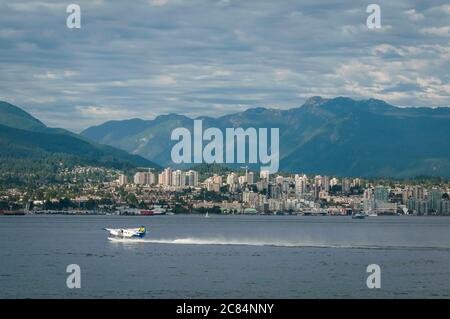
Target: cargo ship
x=152, y=212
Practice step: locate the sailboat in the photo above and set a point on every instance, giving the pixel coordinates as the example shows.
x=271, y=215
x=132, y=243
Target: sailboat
x=207, y=215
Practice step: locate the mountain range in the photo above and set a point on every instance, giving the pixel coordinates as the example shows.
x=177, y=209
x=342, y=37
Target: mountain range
x=338, y=136
x=23, y=137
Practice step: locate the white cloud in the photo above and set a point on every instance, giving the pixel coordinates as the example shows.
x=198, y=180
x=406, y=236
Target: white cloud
x=158, y=3
x=36, y=5
x=10, y=33
x=439, y=31
x=164, y=80
x=428, y=81
x=41, y=99
x=55, y=75
x=223, y=3
x=414, y=15
x=46, y=76
x=387, y=48
x=283, y=74
x=103, y=112
x=442, y=9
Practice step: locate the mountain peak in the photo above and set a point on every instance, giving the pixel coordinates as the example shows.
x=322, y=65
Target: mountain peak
x=255, y=110
x=343, y=103
x=315, y=101
x=170, y=116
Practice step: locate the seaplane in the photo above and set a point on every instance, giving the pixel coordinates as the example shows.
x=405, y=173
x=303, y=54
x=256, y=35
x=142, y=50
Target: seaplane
x=360, y=215
x=120, y=233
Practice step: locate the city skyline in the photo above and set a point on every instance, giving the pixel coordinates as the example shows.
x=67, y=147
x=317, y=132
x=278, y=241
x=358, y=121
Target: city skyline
x=298, y=193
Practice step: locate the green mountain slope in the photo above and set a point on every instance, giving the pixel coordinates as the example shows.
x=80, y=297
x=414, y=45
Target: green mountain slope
x=24, y=137
x=13, y=116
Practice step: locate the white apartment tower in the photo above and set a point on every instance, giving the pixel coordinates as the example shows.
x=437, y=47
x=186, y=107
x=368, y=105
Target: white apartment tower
x=123, y=180
x=167, y=177
x=192, y=178
x=178, y=178
x=144, y=178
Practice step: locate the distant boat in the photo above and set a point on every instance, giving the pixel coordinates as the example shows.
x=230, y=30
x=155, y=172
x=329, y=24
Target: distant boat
x=152, y=212
x=206, y=215
x=359, y=216
x=12, y=212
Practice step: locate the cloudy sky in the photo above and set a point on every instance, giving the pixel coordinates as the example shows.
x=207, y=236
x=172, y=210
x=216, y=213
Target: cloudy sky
x=145, y=58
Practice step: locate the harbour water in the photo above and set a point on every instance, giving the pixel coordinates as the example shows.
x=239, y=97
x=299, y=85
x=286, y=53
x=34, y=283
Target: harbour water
x=225, y=257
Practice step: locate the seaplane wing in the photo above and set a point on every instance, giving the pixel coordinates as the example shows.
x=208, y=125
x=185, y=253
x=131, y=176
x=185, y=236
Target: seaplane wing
x=127, y=232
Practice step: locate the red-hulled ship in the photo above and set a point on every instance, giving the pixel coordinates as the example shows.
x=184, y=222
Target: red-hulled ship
x=12, y=212
x=152, y=212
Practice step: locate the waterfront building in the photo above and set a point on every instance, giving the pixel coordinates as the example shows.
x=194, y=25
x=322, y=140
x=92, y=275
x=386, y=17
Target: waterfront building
x=217, y=179
x=232, y=179
x=279, y=180
x=325, y=183
x=144, y=178
x=334, y=181
x=211, y=186
x=385, y=207
x=123, y=180
x=406, y=194
x=301, y=184
x=418, y=192
x=422, y=207
x=444, y=207
x=265, y=174
x=274, y=191
x=250, y=198
x=262, y=185
x=317, y=181
x=167, y=177
x=233, y=182
x=192, y=178
x=356, y=182
x=249, y=178
x=214, y=183
x=178, y=178
x=381, y=194
x=346, y=185
x=435, y=197
x=285, y=185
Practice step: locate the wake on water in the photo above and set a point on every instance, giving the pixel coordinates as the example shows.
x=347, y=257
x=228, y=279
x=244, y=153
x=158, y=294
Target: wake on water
x=209, y=241
x=252, y=242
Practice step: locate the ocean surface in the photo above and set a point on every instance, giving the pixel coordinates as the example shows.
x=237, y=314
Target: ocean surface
x=225, y=257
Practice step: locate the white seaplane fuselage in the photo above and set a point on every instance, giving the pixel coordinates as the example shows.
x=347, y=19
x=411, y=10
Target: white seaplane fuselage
x=127, y=232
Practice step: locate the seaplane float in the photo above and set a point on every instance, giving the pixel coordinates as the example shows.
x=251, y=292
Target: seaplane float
x=122, y=233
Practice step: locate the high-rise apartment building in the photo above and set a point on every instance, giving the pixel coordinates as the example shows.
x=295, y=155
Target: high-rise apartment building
x=144, y=178
x=123, y=180
x=192, y=178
